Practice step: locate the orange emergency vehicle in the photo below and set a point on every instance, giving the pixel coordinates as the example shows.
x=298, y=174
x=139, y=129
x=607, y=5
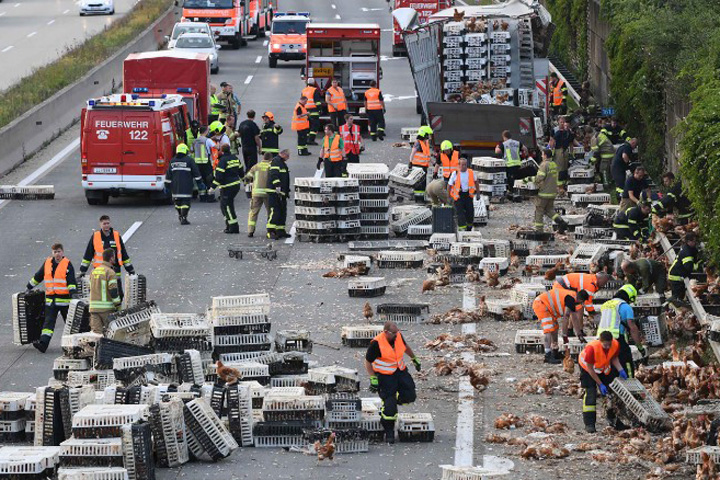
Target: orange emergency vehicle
x=260, y=14
x=228, y=19
x=287, y=37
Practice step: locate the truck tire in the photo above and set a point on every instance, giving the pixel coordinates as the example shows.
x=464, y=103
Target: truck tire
x=235, y=42
x=243, y=42
x=272, y=62
x=255, y=32
x=96, y=198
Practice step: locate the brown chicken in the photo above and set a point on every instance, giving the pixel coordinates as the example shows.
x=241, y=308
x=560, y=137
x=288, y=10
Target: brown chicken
x=327, y=450
x=492, y=278
x=552, y=273
x=568, y=362
x=478, y=380
x=512, y=314
x=707, y=470
x=514, y=259
x=227, y=374
x=458, y=15
x=428, y=286
x=504, y=26
x=367, y=311
x=482, y=307
x=472, y=275
x=591, y=189
x=354, y=271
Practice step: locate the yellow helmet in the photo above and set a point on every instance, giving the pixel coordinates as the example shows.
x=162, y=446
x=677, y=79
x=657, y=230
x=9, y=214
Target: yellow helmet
x=446, y=145
x=182, y=148
x=631, y=292
x=425, y=130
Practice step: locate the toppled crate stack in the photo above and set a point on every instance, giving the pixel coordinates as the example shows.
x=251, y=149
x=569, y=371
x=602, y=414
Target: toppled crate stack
x=407, y=183
x=78, y=317
x=415, y=427
x=206, y=433
x=132, y=325
x=329, y=208
x=135, y=287
x=28, y=462
x=239, y=412
x=585, y=255
x=28, y=314
x=190, y=367
x=13, y=418
x=637, y=407
x=138, y=451
x=169, y=433
x=175, y=332
x=403, y=312
x=374, y=190
x=143, y=369
x=490, y=167
x=27, y=192
x=403, y=217
x=359, y=336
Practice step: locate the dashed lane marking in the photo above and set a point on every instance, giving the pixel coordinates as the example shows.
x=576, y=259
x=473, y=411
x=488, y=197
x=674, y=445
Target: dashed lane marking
x=333, y=6
x=464, y=438
x=131, y=231
x=265, y=43
x=248, y=79
x=258, y=59
x=66, y=12
x=31, y=34
x=51, y=22
x=337, y=17
x=8, y=48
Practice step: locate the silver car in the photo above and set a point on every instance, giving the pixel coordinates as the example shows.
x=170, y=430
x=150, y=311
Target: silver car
x=182, y=28
x=97, y=7
x=199, y=43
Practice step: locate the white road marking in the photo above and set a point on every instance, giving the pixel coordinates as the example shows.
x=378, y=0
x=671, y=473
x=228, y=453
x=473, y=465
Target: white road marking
x=131, y=231
x=46, y=167
x=9, y=47
x=248, y=79
x=16, y=5
x=463, y=2
x=386, y=30
x=318, y=173
x=291, y=239
x=337, y=17
x=469, y=300
x=31, y=34
x=51, y=22
x=364, y=9
x=66, y=11
x=2, y=13
x=464, y=438
x=265, y=43
x=258, y=59
x=333, y=6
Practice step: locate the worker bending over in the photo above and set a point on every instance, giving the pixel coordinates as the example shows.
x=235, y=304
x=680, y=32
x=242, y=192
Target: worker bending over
x=552, y=306
x=617, y=317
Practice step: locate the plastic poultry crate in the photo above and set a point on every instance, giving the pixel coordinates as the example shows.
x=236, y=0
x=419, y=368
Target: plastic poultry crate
x=12, y=405
x=581, y=173
x=78, y=317
x=28, y=462
x=249, y=321
x=694, y=456
x=651, y=330
x=108, y=350
x=529, y=341
x=422, y=216
x=135, y=287
x=28, y=314
x=525, y=294
x=466, y=249
x=207, y=429
x=133, y=324
x=370, y=192
x=240, y=305
x=238, y=343
x=164, y=325
x=475, y=39
x=239, y=402
x=93, y=473
x=103, y=421
x=293, y=341
x=169, y=433
x=99, y=379
x=359, y=336
x=399, y=259
x=585, y=199
x=494, y=264
x=159, y=363
x=367, y=287
x=415, y=427
x=298, y=408
x=403, y=312
x=289, y=381
x=442, y=241
x=91, y=452
x=138, y=451
x=637, y=404
x=28, y=192
x=496, y=248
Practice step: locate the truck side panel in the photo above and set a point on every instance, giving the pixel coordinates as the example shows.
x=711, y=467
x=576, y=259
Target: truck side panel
x=423, y=52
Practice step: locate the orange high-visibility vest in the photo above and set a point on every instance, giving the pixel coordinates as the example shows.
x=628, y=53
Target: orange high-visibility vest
x=602, y=359
x=450, y=164
x=421, y=158
x=309, y=93
x=351, y=138
x=554, y=300
x=337, y=100
x=98, y=246
x=333, y=151
x=457, y=186
x=56, y=284
x=557, y=93
x=578, y=282
x=390, y=358
x=215, y=153
x=372, y=96
x=299, y=123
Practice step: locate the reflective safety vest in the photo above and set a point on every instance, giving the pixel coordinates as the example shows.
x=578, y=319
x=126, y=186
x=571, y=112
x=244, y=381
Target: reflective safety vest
x=299, y=123
x=577, y=282
x=512, y=153
x=610, y=317
x=56, y=284
x=190, y=140
x=215, y=153
x=98, y=246
x=450, y=164
x=554, y=300
x=200, y=151
x=332, y=151
x=457, y=186
x=216, y=106
x=309, y=93
x=558, y=94
x=351, y=138
x=602, y=358
x=337, y=99
x=260, y=180
x=372, y=96
x=421, y=158
x=390, y=359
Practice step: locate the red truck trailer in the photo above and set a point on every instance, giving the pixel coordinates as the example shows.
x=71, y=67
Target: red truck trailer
x=347, y=52
x=186, y=74
x=424, y=8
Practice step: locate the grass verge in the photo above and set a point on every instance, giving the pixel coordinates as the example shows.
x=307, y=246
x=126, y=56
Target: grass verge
x=78, y=61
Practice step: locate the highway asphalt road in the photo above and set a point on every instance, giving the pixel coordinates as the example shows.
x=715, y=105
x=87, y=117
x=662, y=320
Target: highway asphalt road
x=187, y=265
x=33, y=33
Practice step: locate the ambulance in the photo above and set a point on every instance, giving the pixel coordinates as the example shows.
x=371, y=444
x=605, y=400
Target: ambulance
x=287, y=37
x=126, y=143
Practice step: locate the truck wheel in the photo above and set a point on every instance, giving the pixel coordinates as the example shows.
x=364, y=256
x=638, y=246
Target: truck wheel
x=272, y=62
x=96, y=198
x=235, y=42
x=243, y=42
x=254, y=32
x=214, y=70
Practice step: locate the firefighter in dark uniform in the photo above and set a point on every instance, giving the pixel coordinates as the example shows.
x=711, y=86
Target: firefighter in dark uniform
x=59, y=276
x=269, y=134
x=182, y=173
x=633, y=224
x=100, y=241
x=375, y=109
x=686, y=262
x=675, y=200
x=228, y=178
x=389, y=376
x=278, y=193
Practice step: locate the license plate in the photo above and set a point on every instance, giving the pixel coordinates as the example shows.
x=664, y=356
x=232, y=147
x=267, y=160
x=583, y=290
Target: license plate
x=292, y=50
x=105, y=170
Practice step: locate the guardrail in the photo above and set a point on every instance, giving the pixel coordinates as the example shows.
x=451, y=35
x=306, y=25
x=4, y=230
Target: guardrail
x=27, y=134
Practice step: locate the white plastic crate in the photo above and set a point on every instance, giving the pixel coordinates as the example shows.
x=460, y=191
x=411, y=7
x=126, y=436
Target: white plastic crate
x=403, y=175
x=651, y=331
x=376, y=190
x=406, y=133
x=499, y=48
x=327, y=375
x=321, y=199
x=14, y=401
x=475, y=63
x=233, y=320
x=500, y=37
x=453, y=75
x=498, y=306
x=325, y=183
x=648, y=300
x=471, y=236
x=348, y=224
x=451, y=472
x=523, y=185
x=575, y=173
x=494, y=264
x=467, y=249
x=399, y=256
x=135, y=287
x=694, y=456
x=93, y=473
x=374, y=230
x=415, y=425
x=241, y=304
x=501, y=59
x=315, y=211
x=242, y=339
x=529, y=341
x=289, y=403
x=289, y=381
x=525, y=294
x=320, y=226
x=493, y=190
x=12, y=426
x=404, y=223
x=291, y=391
x=366, y=283
x=356, y=335
x=80, y=345
x=351, y=260
x=203, y=422
x=99, y=379
x=452, y=64
x=475, y=75
x=639, y=403
x=169, y=432
x=494, y=177
x=65, y=363
x=442, y=241
x=246, y=369
x=580, y=199
x=585, y=254
x=545, y=260
x=92, y=447
x=97, y=416
x=137, y=361
x=499, y=71
x=475, y=39
x=25, y=460
x=132, y=327
x=476, y=51
x=582, y=187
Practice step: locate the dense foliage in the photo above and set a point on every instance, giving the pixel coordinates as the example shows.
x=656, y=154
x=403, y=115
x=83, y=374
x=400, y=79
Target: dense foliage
x=569, y=42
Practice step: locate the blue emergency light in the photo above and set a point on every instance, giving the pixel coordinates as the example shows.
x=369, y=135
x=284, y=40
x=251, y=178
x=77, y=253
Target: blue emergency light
x=135, y=96
x=164, y=95
x=151, y=103
x=140, y=90
x=184, y=90
x=91, y=102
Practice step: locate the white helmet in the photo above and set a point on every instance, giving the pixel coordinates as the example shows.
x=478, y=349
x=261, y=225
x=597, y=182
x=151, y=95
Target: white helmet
x=310, y=81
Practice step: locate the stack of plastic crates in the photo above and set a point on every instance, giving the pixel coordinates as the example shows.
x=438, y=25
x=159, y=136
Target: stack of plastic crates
x=12, y=416
x=175, y=332
x=648, y=304
x=407, y=183
x=347, y=440
x=359, y=336
x=240, y=323
x=403, y=219
x=143, y=369
x=329, y=208
x=169, y=433
x=137, y=447
x=331, y=379
x=525, y=294
x=481, y=213
x=374, y=189
x=529, y=341
x=206, y=433
x=108, y=350
x=486, y=167
x=30, y=406
x=442, y=241
x=78, y=317
x=28, y=315
x=403, y=312
x=286, y=413
x=370, y=418
x=27, y=192
x=586, y=254
x=190, y=367
x=476, y=65
x=27, y=462
x=366, y=287
x=453, y=58
x=637, y=407
x=415, y=427
x=132, y=325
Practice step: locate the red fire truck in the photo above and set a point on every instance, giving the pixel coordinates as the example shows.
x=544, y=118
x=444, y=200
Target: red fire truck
x=228, y=19
x=126, y=143
x=260, y=15
x=425, y=8
x=347, y=52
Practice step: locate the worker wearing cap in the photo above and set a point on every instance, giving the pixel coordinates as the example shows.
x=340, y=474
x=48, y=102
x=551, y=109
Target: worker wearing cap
x=375, y=108
x=617, y=317
x=646, y=275
x=182, y=173
x=314, y=103
x=462, y=187
x=686, y=262
x=332, y=154
x=270, y=134
x=384, y=362
x=632, y=224
x=420, y=157
x=449, y=160
x=511, y=151
x=552, y=306
x=546, y=180
x=590, y=282
x=336, y=102
x=599, y=365
x=301, y=125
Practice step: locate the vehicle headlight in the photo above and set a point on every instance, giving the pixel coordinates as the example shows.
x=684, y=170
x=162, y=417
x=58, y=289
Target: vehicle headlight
x=276, y=46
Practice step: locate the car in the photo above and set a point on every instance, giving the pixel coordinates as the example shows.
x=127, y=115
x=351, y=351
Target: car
x=181, y=28
x=97, y=7
x=287, y=37
x=199, y=43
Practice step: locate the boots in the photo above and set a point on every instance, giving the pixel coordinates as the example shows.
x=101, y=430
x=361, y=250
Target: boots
x=390, y=436
x=562, y=225
x=42, y=343
x=233, y=228
x=556, y=354
x=589, y=421
x=250, y=234
x=184, y=220
x=272, y=235
x=550, y=358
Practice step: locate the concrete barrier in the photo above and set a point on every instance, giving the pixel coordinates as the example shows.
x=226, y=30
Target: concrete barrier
x=30, y=132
